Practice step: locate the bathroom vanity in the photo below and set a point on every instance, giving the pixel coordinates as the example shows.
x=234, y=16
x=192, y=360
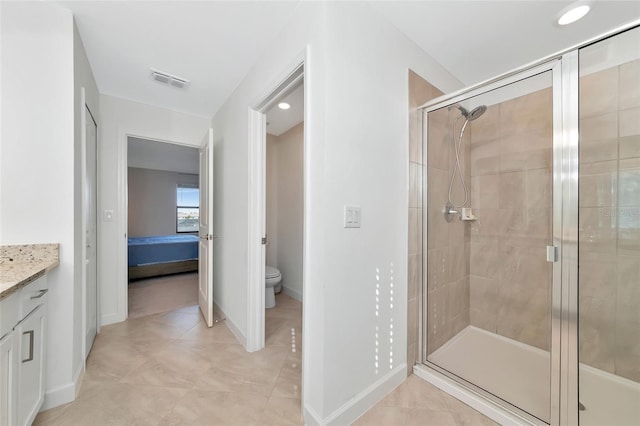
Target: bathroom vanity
x=23, y=329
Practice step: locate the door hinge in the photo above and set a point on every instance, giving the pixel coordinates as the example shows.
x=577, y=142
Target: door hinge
x=264, y=241
x=552, y=254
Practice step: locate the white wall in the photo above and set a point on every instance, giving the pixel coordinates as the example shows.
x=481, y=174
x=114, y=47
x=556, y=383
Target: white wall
x=357, y=121
x=38, y=164
x=149, y=154
x=152, y=201
x=121, y=118
x=366, y=164
x=285, y=207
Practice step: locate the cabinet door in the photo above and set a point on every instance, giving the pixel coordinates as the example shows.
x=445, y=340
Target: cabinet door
x=31, y=336
x=8, y=379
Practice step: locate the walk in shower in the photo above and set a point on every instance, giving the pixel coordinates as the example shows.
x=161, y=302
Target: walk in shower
x=531, y=278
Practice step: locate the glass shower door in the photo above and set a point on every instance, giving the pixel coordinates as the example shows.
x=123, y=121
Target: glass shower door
x=488, y=289
x=609, y=231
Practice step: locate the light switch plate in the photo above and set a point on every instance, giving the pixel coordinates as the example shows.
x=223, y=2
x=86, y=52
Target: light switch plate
x=352, y=216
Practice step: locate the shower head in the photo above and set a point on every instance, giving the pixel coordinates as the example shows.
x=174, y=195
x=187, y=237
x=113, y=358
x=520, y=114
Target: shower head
x=473, y=114
x=476, y=112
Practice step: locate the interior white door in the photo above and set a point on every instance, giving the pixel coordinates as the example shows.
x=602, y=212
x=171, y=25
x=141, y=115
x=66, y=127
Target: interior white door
x=205, y=255
x=91, y=212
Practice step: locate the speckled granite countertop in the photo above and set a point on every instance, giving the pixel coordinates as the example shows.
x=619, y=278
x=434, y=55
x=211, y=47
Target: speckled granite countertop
x=22, y=264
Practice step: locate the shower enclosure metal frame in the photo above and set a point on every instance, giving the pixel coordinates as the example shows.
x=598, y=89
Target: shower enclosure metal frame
x=555, y=67
x=564, y=310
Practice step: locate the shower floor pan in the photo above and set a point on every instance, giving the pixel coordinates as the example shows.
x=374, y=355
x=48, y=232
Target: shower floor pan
x=520, y=374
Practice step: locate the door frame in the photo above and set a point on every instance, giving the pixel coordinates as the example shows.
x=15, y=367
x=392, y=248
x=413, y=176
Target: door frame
x=256, y=211
x=83, y=172
x=122, y=224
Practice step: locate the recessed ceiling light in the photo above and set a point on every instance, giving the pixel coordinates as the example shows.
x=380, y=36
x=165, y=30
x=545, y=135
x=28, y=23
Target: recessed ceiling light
x=573, y=12
x=284, y=105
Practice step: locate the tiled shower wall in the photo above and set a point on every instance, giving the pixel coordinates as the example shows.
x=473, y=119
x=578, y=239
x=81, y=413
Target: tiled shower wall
x=448, y=242
x=609, y=231
x=420, y=91
x=510, y=279
x=492, y=273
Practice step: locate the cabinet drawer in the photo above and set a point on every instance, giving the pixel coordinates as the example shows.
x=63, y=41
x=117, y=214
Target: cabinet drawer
x=33, y=295
x=9, y=313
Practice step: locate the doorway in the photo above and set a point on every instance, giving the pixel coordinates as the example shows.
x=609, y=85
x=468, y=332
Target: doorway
x=287, y=318
x=163, y=181
x=284, y=214
x=284, y=193
x=257, y=208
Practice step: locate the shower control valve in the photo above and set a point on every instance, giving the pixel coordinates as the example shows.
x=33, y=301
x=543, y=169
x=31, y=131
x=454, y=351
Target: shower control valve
x=449, y=212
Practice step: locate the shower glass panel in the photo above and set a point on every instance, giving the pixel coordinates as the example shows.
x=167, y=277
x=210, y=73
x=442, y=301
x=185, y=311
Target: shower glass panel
x=489, y=221
x=609, y=231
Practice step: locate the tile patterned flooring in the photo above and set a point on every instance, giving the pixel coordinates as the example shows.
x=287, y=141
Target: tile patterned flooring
x=170, y=369
x=162, y=294
x=416, y=402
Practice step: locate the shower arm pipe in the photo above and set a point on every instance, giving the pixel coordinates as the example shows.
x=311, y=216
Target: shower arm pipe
x=517, y=74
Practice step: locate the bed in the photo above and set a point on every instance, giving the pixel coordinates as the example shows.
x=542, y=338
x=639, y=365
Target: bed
x=162, y=255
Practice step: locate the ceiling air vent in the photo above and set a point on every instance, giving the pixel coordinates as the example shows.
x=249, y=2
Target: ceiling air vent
x=167, y=78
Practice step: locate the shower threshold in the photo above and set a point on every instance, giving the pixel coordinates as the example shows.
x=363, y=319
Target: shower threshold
x=521, y=374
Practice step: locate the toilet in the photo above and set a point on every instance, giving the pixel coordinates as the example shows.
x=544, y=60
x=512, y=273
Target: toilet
x=272, y=277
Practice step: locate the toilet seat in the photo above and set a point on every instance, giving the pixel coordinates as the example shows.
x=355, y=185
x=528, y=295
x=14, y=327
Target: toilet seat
x=271, y=272
x=272, y=277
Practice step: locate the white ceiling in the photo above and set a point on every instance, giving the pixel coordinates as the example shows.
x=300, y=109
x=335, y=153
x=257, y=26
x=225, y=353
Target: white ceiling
x=148, y=154
x=214, y=43
x=281, y=120
x=211, y=43
x=477, y=40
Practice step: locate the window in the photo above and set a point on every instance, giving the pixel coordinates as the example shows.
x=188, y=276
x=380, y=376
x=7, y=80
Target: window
x=188, y=208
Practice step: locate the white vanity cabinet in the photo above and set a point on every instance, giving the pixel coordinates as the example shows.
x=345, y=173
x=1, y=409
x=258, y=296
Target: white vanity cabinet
x=31, y=333
x=23, y=353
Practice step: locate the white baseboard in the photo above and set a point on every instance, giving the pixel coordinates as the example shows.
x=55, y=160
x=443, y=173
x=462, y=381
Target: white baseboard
x=58, y=396
x=311, y=418
x=366, y=399
x=112, y=318
x=242, y=339
x=79, y=377
x=63, y=394
x=293, y=293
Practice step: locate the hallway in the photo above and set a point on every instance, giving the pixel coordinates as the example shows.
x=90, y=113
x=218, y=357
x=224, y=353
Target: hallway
x=170, y=369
